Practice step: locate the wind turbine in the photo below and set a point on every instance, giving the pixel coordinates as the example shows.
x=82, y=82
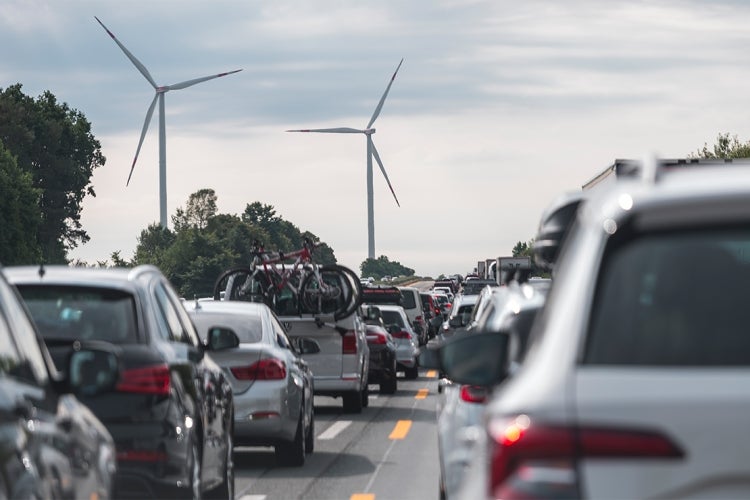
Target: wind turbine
x=160, y=91
x=371, y=151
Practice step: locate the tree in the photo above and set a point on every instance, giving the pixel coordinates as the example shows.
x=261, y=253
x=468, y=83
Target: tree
x=19, y=213
x=201, y=206
x=726, y=146
x=381, y=266
x=522, y=249
x=54, y=144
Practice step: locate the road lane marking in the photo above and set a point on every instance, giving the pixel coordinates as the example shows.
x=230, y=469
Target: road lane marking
x=401, y=429
x=362, y=496
x=335, y=429
x=422, y=394
x=431, y=373
x=253, y=497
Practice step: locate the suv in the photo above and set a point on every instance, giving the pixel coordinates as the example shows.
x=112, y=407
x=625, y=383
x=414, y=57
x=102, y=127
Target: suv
x=642, y=343
x=412, y=304
x=171, y=411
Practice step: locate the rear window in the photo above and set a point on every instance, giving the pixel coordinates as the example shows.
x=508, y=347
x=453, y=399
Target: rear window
x=673, y=299
x=392, y=318
x=90, y=313
x=407, y=299
x=248, y=328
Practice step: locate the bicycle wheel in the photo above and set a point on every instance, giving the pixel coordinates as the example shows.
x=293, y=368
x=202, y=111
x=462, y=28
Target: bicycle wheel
x=242, y=283
x=331, y=291
x=355, y=287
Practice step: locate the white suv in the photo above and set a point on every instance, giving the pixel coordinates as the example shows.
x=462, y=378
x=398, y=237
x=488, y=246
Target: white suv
x=635, y=382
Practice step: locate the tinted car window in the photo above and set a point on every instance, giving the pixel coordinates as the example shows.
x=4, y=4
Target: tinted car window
x=247, y=328
x=673, y=299
x=407, y=296
x=69, y=312
x=392, y=318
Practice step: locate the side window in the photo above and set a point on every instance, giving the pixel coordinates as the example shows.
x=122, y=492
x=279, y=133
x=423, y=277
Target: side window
x=169, y=315
x=23, y=359
x=280, y=334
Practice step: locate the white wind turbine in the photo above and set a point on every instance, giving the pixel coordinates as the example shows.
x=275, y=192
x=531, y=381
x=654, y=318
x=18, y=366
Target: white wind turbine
x=371, y=151
x=160, y=91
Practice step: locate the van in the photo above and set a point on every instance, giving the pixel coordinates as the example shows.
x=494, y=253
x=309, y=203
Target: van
x=412, y=304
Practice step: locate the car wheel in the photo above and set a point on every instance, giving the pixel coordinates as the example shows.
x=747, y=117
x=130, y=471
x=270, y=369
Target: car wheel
x=365, y=396
x=226, y=489
x=292, y=454
x=411, y=373
x=352, y=402
x=310, y=436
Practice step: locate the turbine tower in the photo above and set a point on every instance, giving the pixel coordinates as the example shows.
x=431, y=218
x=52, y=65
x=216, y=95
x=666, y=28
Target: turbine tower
x=371, y=152
x=160, y=91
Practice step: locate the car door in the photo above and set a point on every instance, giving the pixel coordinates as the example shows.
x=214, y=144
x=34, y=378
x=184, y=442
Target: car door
x=299, y=384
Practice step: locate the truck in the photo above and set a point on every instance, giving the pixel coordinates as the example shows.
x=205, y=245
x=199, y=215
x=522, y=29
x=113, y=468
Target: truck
x=481, y=270
x=508, y=267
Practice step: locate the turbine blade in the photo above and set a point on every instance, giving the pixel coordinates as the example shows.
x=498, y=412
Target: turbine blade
x=146, y=123
x=190, y=83
x=132, y=58
x=385, y=94
x=382, y=169
x=340, y=130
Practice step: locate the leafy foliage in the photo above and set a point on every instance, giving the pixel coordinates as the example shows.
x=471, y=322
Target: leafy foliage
x=726, y=146
x=377, y=268
x=55, y=146
x=19, y=213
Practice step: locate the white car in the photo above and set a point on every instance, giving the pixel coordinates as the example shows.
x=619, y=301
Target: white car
x=635, y=383
x=407, y=343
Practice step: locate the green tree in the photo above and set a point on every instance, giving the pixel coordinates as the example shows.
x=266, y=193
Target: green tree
x=201, y=206
x=726, y=146
x=19, y=213
x=55, y=145
x=522, y=249
x=382, y=266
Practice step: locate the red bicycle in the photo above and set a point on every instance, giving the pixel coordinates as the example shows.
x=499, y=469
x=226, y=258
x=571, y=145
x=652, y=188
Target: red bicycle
x=301, y=287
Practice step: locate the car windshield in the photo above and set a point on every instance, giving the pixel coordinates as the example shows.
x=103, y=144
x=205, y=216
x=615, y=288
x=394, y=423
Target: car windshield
x=673, y=299
x=74, y=312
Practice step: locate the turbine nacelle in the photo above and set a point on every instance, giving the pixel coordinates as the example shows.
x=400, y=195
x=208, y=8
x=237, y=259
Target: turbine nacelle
x=368, y=131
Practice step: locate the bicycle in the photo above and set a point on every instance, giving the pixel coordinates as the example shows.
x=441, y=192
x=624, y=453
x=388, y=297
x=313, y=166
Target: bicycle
x=300, y=288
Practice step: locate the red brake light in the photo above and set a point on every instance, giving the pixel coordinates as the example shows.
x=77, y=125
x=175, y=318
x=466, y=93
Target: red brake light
x=376, y=338
x=349, y=343
x=539, y=461
x=401, y=335
x=142, y=456
x=473, y=394
x=264, y=369
x=145, y=380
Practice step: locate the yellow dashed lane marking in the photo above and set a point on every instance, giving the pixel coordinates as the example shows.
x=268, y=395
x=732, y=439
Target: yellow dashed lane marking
x=401, y=429
x=431, y=373
x=362, y=496
x=422, y=393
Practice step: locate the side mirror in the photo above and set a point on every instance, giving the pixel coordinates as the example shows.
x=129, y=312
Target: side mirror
x=477, y=359
x=92, y=371
x=305, y=345
x=220, y=338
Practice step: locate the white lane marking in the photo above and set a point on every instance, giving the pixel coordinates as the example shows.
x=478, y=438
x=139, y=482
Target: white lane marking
x=335, y=429
x=253, y=497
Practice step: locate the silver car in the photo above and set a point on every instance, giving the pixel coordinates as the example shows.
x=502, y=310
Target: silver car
x=508, y=309
x=407, y=342
x=272, y=384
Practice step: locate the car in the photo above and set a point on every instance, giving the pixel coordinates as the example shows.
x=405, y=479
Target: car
x=271, y=383
x=641, y=343
x=383, y=363
x=52, y=445
x=444, y=302
x=412, y=304
x=508, y=310
x=433, y=313
x=407, y=342
x=447, y=291
x=461, y=310
x=170, y=414
x=473, y=287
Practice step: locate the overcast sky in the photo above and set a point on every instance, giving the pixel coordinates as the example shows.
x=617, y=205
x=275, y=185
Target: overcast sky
x=498, y=107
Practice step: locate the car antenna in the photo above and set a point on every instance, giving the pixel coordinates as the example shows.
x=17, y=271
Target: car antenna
x=41, y=270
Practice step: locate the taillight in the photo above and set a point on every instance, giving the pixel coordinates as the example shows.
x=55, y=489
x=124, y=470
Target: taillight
x=145, y=380
x=142, y=456
x=376, y=338
x=401, y=335
x=264, y=369
x=473, y=394
x=349, y=343
x=534, y=460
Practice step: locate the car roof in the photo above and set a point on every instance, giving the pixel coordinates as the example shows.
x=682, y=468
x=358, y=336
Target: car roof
x=225, y=306
x=122, y=278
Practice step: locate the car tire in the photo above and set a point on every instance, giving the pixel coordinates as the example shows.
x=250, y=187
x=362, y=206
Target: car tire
x=292, y=454
x=411, y=373
x=310, y=435
x=352, y=402
x=389, y=385
x=365, y=396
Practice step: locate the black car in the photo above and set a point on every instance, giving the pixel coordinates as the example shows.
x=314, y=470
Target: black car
x=382, y=359
x=51, y=445
x=171, y=412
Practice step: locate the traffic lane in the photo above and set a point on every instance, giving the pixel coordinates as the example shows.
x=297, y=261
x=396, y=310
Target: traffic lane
x=356, y=455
